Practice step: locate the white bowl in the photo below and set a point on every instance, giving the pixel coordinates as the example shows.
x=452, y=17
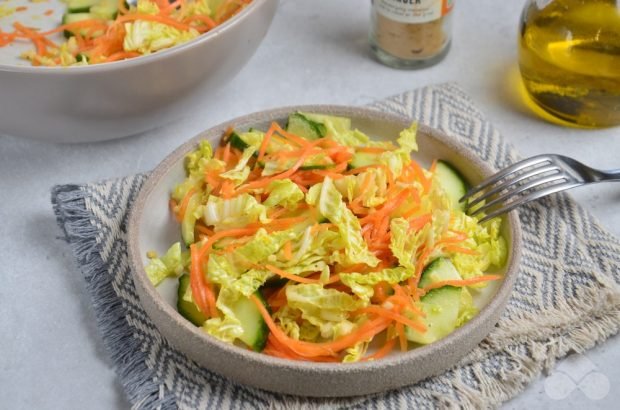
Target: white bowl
x=113, y=100
x=152, y=228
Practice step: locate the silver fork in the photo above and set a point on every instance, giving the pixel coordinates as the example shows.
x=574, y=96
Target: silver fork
x=528, y=180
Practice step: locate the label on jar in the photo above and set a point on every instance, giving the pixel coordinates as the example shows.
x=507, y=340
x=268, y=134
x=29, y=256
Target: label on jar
x=413, y=11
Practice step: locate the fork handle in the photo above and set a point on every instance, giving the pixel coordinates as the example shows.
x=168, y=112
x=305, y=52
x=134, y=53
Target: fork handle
x=611, y=175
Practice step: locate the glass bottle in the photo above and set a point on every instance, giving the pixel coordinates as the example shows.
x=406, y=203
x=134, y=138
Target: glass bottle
x=569, y=56
x=410, y=33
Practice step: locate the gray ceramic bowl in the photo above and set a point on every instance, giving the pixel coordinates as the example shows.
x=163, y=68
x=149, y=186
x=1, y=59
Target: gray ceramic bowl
x=152, y=228
x=113, y=100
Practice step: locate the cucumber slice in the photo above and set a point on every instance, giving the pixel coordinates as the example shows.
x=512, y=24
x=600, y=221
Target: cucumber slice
x=441, y=307
x=188, y=309
x=340, y=124
x=452, y=182
x=255, y=330
x=82, y=58
x=439, y=270
x=303, y=127
x=189, y=220
x=80, y=6
x=275, y=282
x=241, y=141
x=254, y=138
x=363, y=159
x=68, y=18
x=105, y=9
x=315, y=166
x=319, y=161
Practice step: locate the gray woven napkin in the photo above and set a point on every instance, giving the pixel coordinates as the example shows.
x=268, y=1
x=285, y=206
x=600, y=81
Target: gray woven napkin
x=566, y=298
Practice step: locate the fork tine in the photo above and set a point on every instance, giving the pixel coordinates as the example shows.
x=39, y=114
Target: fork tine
x=517, y=166
x=521, y=188
x=508, y=183
x=529, y=198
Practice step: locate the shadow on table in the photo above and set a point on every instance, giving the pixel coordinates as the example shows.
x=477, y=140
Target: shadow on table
x=513, y=94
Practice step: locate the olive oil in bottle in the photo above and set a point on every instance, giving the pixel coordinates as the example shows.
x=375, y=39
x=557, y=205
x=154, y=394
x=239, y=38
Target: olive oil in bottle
x=569, y=56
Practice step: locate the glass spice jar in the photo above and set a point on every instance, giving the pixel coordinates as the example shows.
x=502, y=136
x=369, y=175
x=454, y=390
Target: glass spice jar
x=410, y=33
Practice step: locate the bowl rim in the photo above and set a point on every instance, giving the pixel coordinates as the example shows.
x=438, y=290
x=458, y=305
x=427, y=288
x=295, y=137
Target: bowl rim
x=498, y=300
x=144, y=59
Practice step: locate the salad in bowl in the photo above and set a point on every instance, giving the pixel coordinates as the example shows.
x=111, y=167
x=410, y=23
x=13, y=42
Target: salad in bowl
x=104, y=31
x=313, y=242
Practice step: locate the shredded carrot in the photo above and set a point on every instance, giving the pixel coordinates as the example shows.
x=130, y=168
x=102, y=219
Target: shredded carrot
x=226, y=154
x=321, y=227
x=459, y=234
x=288, y=250
x=48, y=12
x=371, y=150
x=204, y=250
x=197, y=284
x=213, y=180
x=419, y=173
x=122, y=7
x=185, y=202
x=365, y=184
x=21, y=8
x=121, y=55
x=265, y=142
x=418, y=223
x=266, y=181
x=290, y=276
x=360, y=267
x=462, y=282
x=460, y=249
x=100, y=24
x=208, y=21
x=400, y=329
x=277, y=213
x=390, y=314
x=278, y=298
x=276, y=348
x=334, y=175
x=308, y=349
x=433, y=167
x=384, y=351
x=302, y=142
x=359, y=170
x=278, y=224
x=204, y=229
x=379, y=293
x=172, y=204
x=388, y=207
x=227, y=189
x=171, y=6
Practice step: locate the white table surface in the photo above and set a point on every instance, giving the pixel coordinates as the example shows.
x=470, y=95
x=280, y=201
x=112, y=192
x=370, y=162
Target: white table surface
x=51, y=356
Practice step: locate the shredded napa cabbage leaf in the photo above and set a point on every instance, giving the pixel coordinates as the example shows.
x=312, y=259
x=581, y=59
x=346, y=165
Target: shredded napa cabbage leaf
x=363, y=284
x=235, y=212
x=147, y=37
x=326, y=309
x=241, y=171
x=284, y=193
x=227, y=327
x=485, y=239
x=171, y=264
x=330, y=204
